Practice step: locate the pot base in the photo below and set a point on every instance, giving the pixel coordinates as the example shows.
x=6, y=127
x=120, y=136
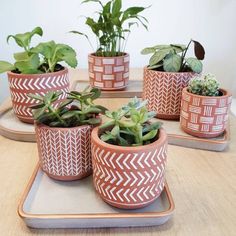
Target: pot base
x=201, y=135
x=127, y=206
x=25, y=120
x=110, y=89
x=168, y=117
x=68, y=178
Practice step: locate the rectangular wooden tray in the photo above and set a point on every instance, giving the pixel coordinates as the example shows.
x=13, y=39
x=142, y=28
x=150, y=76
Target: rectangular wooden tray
x=134, y=88
x=47, y=203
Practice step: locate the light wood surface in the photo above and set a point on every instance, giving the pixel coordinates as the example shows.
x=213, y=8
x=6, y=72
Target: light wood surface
x=203, y=185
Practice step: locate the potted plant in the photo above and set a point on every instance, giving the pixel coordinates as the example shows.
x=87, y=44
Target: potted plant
x=204, y=107
x=109, y=64
x=168, y=72
x=36, y=70
x=129, y=157
x=63, y=133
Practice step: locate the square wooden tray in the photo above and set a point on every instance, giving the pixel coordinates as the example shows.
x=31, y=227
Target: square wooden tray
x=47, y=203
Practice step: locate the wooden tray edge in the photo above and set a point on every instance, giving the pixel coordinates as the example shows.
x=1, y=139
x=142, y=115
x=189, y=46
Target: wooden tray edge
x=25, y=215
x=13, y=134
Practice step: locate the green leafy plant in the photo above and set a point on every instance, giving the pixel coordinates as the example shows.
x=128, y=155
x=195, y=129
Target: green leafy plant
x=112, y=26
x=130, y=125
x=43, y=58
x=204, y=86
x=83, y=111
x=172, y=58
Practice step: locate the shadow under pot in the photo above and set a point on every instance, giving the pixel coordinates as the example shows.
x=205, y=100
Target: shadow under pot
x=64, y=153
x=205, y=116
x=163, y=91
x=109, y=73
x=129, y=177
x=40, y=84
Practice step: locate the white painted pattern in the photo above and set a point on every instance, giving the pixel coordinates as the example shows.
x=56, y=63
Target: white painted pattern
x=65, y=152
x=127, y=186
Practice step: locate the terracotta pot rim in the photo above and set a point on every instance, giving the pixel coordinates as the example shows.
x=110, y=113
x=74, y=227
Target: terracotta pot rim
x=40, y=125
x=162, y=138
x=225, y=92
x=94, y=56
x=164, y=72
x=65, y=70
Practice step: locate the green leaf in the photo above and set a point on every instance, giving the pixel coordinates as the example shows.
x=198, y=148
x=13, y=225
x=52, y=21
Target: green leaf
x=37, y=106
x=6, y=66
x=107, y=124
x=107, y=136
x=29, y=66
x=150, y=135
x=194, y=64
x=149, y=50
x=116, y=7
x=181, y=46
x=92, y=121
x=21, y=56
x=35, y=96
x=115, y=131
x=23, y=40
x=126, y=124
x=158, y=56
x=172, y=63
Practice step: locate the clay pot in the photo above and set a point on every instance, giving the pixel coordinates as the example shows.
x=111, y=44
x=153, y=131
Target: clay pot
x=109, y=73
x=23, y=84
x=129, y=177
x=64, y=153
x=204, y=116
x=163, y=91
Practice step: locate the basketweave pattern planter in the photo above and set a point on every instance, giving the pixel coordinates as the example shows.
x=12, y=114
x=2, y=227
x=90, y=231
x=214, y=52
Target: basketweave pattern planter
x=163, y=91
x=129, y=179
x=204, y=116
x=109, y=73
x=65, y=153
x=23, y=84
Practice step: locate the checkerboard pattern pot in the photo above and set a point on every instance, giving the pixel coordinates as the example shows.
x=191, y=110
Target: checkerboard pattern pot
x=109, y=73
x=163, y=90
x=204, y=116
x=129, y=177
x=64, y=153
x=23, y=84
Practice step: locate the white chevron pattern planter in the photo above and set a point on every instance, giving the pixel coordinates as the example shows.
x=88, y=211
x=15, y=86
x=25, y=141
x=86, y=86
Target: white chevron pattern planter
x=65, y=153
x=22, y=84
x=129, y=177
x=163, y=90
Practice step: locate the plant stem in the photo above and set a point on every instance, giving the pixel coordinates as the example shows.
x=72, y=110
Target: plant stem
x=183, y=56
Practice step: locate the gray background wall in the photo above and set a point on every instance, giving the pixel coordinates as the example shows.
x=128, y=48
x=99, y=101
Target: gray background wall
x=211, y=22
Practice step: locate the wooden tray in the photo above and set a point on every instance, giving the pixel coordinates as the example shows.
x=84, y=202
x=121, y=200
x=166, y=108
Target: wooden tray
x=11, y=127
x=47, y=203
x=135, y=88
x=176, y=136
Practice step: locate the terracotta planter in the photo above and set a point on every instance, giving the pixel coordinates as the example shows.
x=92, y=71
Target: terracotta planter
x=163, y=91
x=203, y=116
x=64, y=153
x=23, y=84
x=109, y=73
x=129, y=177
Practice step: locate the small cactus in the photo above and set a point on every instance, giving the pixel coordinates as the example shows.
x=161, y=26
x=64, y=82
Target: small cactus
x=206, y=86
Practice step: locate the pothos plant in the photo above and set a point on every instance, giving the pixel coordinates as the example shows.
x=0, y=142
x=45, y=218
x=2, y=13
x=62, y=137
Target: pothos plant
x=130, y=125
x=82, y=111
x=204, y=86
x=112, y=26
x=43, y=58
x=172, y=58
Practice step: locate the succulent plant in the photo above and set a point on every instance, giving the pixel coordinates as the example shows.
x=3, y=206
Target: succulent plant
x=172, y=58
x=130, y=125
x=206, y=86
x=82, y=111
